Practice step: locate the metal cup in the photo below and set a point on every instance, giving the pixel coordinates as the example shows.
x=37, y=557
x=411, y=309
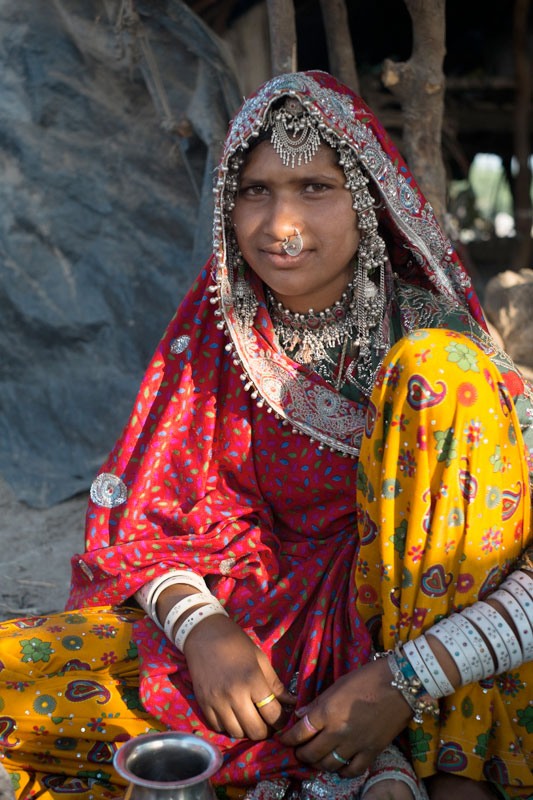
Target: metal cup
x=170, y=765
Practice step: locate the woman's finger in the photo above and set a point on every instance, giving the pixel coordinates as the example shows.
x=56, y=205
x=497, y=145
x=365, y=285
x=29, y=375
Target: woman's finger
x=305, y=729
x=212, y=719
x=335, y=760
x=230, y=723
x=269, y=709
x=358, y=764
x=251, y=721
x=276, y=686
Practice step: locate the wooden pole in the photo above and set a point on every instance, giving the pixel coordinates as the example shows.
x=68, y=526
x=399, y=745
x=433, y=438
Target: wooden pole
x=282, y=29
x=339, y=41
x=521, y=136
x=419, y=84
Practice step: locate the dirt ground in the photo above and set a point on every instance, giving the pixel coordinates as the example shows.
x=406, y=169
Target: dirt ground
x=35, y=551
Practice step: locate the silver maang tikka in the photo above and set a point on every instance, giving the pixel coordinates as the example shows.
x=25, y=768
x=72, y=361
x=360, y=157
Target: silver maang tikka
x=295, y=135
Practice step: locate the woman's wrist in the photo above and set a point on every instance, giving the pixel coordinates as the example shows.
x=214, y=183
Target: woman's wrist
x=169, y=598
x=148, y=594
x=487, y=638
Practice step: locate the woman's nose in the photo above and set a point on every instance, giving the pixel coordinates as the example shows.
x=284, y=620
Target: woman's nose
x=283, y=218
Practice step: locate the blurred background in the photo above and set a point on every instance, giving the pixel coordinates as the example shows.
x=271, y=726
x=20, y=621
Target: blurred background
x=112, y=117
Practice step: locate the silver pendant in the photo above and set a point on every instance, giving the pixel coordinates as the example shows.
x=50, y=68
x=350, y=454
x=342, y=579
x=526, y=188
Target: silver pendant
x=293, y=245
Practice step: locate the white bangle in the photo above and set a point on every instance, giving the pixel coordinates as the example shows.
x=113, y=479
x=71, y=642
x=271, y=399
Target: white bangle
x=507, y=634
x=186, y=577
x=523, y=625
x=476, y=664
x=519, y=593
x=521, y=597
x=433, y=665
x=422, y=672
x=179, y=608
x=446, y=633
x=478, y=642
x=193, y=620
x=148, y=595
x=524, y=580
x=491, y=634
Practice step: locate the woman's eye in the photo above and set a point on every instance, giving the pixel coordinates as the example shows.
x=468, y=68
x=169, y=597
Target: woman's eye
x=316, y=188
x=252, y=191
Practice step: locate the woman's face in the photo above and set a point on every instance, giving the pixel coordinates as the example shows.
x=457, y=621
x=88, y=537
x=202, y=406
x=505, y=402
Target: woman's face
x=272, y=201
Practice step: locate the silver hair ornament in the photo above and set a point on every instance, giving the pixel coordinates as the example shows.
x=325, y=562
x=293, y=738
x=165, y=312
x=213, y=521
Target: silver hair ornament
x=295, y=136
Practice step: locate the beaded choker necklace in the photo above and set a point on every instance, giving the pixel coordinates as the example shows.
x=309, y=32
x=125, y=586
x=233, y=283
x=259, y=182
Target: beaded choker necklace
x=309, y=335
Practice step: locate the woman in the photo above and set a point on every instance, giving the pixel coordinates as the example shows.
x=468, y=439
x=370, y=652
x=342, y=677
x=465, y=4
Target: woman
x=324, y=459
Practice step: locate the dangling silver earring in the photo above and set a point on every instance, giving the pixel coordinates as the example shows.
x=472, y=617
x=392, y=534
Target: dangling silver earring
x=244, y=299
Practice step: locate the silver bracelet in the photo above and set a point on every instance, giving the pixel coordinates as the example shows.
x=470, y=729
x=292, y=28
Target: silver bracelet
x=409, y=688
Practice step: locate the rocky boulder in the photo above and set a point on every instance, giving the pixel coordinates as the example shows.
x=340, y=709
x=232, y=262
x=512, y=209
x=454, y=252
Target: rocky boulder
x=509, y=307
x=110, y=131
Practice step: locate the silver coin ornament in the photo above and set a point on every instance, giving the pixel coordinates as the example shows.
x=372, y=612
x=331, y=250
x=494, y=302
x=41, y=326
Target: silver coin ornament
x=179, y=344
x=293, y=245
x=108, y=490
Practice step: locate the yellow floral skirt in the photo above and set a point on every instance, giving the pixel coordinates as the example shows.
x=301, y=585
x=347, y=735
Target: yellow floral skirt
x=444, y=504
x=443, y=508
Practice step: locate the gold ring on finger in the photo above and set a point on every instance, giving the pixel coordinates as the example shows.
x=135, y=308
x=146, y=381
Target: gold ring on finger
x=265, y=701
x=339, y=758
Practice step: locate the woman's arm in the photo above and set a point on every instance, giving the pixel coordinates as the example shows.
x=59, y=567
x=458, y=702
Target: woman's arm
x=230, y=674
x=362, y=712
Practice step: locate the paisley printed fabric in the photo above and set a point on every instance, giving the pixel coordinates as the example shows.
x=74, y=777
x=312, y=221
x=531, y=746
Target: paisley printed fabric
x=69, y=696
x=443, y=487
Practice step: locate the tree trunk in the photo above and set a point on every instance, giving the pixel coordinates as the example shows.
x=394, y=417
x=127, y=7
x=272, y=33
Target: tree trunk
x=282, y=29
x=340, y=49
x=419, y=85
x=522, y=181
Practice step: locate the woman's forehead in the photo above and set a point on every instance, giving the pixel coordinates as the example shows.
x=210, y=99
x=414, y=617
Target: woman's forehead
x=263, y=158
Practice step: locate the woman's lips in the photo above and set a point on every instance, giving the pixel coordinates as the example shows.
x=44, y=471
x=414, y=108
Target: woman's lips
x=284, y=259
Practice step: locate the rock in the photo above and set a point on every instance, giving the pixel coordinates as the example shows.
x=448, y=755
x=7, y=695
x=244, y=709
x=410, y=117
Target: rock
x=35, y=568
x=104, y=225
x=6, y=787
x=509, y=307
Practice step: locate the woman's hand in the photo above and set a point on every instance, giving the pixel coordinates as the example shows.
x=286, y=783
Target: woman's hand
x=230, y=675
x=389, y=790
x=357, y=718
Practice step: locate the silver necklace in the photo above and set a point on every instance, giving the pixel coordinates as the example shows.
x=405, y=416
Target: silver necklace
x=310, y=335
x=307, y=337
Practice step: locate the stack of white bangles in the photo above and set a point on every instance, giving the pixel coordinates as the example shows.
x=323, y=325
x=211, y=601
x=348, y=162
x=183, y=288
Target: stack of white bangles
x=466, y=635
x=148, y=595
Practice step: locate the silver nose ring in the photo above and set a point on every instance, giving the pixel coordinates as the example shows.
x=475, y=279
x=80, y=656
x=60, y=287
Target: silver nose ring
x=293, y=245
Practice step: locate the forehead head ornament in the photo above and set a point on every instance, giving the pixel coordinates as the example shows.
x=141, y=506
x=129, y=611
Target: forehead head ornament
x=295, y=136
